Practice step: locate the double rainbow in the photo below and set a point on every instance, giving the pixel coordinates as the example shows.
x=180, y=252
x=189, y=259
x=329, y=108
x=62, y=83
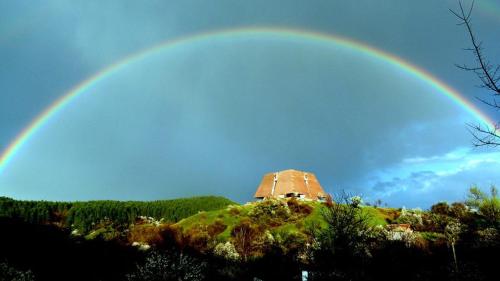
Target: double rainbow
x=37, y=123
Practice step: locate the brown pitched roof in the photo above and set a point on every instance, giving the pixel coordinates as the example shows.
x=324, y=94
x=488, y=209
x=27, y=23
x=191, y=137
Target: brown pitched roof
x=290, y=181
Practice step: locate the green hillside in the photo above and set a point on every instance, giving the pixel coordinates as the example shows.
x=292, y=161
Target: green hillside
x=298, y=221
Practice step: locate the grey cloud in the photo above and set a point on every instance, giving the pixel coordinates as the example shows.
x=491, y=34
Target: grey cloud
x=415, y=180
x=212, y=118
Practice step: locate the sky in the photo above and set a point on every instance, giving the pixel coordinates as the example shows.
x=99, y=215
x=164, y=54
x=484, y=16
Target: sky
x=211, y=115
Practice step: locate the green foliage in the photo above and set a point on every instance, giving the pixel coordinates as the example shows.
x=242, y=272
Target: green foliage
x=452, y=234
x=247, y=238
x=227, y=251
x=452, y=231
x=86, y=215
x=489, y=237
x=375, y=215
x=441, y=208
x=105, y=230
x=289, y=239
x=257, y=227
x=435, y=222
x=412, y=217
x=458, y=210
x=475, y=197
x=216, y=228
x=33, y=211
x=488, y=206
x=299, y=208
x=431, y=236
x=271, y=212
x=347, y=228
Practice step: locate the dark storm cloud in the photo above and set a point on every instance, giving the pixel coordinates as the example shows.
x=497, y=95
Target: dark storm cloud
x=212, y=119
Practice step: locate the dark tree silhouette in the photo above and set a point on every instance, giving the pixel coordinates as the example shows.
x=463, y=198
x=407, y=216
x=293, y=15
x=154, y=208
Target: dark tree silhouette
x=489, y=75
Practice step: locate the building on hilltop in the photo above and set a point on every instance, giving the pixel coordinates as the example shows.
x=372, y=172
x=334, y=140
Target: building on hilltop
x=290, y=183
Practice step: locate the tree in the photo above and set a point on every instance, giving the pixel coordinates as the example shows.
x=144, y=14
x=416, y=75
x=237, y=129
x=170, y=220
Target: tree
x=347, y=226
x=475, y=197
x=489, y=76
x=246, y=238
x=342, y=246
x=458, y=210
x=488, y=206
x=452, y=232
x=441, y=208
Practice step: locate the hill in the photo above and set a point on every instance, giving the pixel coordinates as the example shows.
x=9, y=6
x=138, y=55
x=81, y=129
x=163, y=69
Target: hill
x=271, y=239
x=289, y=223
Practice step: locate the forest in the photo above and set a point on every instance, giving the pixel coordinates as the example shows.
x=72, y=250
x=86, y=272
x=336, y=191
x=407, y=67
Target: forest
x=82, y=215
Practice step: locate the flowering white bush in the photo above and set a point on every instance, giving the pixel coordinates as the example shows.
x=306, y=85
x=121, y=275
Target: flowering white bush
x=412, y=217
x=141, y=246
x=227, y=251
x=409, y=238
x=270, y=208
x=10, y=273
x=356, y=201
x=405, y=235
x=237, y=207
x=150, y=220
x=168, y=266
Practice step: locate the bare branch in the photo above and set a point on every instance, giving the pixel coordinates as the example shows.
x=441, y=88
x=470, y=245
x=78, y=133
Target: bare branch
x=487, y=73
x=484, y=136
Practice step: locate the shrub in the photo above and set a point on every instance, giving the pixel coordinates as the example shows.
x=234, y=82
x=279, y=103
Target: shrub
x=145, y=233
x=8, y=273
x=414, y=218
x=356, y=201
x=299, y=208
x=458, y=210
x=288, y=241
x=169, y=266
x=434, y=222
x=431, y=236
x=271, y=212
x=347, y=228
x=441, y=208
x=490, y=209
x=227, y=251
x=247, y=238
x=488, y=206
x=234, y=210
x=216, y=228
x=198, y=238
x=172, y=237
x=489, y=237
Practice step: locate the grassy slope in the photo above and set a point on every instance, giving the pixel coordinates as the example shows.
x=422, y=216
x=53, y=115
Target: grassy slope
x=230, y=218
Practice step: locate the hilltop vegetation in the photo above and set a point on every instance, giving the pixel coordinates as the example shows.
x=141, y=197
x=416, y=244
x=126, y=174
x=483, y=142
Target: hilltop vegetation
x=290, y=223
x=269, y=240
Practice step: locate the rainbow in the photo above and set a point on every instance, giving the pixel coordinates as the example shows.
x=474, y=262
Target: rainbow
x=37, y=123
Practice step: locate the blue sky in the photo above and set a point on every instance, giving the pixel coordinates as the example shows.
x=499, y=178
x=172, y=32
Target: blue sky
x=213, y=117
